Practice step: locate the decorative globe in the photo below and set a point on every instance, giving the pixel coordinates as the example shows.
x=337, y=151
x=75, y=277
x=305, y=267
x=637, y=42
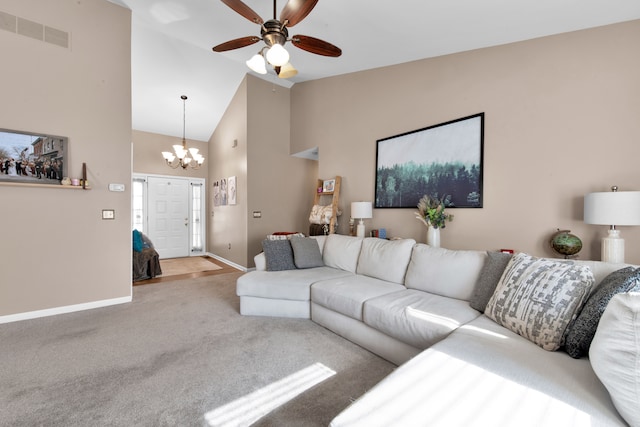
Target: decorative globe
x=565, y=244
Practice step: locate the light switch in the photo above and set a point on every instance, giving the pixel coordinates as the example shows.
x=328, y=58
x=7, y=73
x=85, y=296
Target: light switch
x=257, y=214
x=108, y=214
x=116, y=187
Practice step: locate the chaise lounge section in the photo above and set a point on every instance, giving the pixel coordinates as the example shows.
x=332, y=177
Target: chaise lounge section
x=443, y=316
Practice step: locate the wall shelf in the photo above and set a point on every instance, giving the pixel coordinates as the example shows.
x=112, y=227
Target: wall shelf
x=28, y=184
x=37, y=185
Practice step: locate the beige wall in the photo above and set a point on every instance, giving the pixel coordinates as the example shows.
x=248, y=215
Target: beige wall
x=147, y=157
x=561, y=120
x=57, y=251
x=280, y=186
x=227, y=225
x=269, y=180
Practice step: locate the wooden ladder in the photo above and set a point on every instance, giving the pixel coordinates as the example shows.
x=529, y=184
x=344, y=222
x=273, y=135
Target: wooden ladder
x=335, y=196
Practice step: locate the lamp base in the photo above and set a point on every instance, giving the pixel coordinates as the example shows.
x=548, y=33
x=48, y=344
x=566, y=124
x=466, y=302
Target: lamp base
x=360, y=229
x=613, y=247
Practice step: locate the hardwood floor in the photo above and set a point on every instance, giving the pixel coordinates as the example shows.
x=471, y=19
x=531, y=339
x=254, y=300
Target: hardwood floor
x=224, y=270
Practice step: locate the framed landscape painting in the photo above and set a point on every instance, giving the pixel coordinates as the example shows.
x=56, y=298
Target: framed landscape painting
x=32, y=158
x=443, y=161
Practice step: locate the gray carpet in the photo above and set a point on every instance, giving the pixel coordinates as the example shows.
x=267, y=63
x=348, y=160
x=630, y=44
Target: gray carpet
x=178, y=351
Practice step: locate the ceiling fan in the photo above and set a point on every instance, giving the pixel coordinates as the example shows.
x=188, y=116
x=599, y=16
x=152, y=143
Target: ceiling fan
x=275, y=34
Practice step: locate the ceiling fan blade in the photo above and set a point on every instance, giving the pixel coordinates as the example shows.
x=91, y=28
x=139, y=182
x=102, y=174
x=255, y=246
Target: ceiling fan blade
x=236, y=43
x=296, y=10
x=317, y=46
x=244, y=10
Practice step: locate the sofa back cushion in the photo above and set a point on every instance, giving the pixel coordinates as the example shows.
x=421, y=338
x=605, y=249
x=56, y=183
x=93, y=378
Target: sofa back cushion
x=601, y=269
x=320, y=239
x=385, y=259
x=450, y=273
x=342, y=252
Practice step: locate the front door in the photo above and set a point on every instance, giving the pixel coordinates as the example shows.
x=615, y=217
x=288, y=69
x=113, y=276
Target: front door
x=169, y=216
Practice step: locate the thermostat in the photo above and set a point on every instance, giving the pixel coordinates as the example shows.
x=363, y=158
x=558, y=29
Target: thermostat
x=116, y=187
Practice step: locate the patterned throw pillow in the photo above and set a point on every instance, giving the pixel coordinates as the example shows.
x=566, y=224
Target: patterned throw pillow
x=581, y=333
x=538, y=298
x=278, y=255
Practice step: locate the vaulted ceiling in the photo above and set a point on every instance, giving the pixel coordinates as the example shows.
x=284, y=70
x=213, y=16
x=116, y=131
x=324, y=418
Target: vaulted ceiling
x=172, y=41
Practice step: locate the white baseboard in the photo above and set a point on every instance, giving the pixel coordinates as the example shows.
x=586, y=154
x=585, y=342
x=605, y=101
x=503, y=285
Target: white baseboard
x=63, y=310
x=226, y=261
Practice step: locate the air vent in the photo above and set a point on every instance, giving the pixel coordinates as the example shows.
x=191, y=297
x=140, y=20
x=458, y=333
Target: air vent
x=30, y=29
x=8, y=22
x=34, y=30
x=57, y=37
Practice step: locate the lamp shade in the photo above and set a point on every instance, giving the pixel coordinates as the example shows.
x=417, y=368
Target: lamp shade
x=612, y=208
x=361, y=210
x=256, y=63
x=287, y=71
x=277, y=55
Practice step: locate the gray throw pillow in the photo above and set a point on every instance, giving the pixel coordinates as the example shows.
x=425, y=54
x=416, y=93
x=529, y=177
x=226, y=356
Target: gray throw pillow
x=278, y=255
x=306, y=252
x=583, y=330
x=489, y=277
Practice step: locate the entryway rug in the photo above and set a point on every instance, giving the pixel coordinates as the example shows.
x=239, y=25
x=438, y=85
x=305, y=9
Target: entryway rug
x=177, y=266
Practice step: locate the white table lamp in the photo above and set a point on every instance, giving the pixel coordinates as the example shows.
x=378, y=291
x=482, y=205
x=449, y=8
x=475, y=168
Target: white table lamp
x=612, y=208
x=361, y=210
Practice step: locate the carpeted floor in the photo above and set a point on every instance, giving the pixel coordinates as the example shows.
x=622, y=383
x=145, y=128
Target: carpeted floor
x=177, y=352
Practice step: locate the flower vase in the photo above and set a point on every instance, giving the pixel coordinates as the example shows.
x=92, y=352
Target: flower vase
x=433, y=237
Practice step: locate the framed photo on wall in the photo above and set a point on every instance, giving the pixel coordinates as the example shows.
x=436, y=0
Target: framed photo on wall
x=231, y=188
x=32, y=158
x=444, y=161
x=216, y=193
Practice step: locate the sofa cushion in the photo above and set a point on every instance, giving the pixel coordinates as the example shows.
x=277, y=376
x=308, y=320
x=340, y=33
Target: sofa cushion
x=417, y=318
x=347, y=295
x=615, y=354
x=306, y=252
x=538, y=298
x=385, y=259
x=342, y=252
x=450, y=273
x=286, y=284
x=320, y=239
x=581, y=332
x=278, y=255
x=489, y=277
x=484, y=375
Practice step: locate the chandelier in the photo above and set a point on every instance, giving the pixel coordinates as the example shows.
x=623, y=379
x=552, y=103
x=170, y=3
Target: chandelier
x=186, y=157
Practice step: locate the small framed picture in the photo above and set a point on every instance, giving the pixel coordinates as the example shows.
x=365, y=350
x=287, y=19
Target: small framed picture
x=328, y=185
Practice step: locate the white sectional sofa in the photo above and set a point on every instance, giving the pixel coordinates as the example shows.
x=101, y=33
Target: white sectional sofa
x=412, y=305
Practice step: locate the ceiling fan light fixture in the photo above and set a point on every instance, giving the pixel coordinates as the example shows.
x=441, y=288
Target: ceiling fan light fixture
x=277, y=55
x=256, y=63
x=287, y=71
